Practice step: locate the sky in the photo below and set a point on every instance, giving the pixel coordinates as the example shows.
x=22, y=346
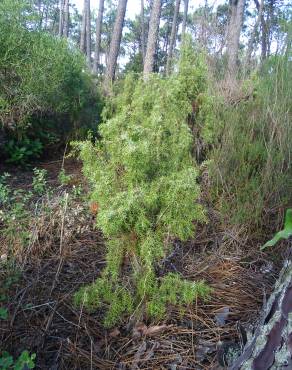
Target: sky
x=133, y=7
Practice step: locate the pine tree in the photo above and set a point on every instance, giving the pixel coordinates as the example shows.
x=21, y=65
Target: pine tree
x=115, y=45
x=186, y=7
x=66, y=18
x=152, y=37
x=234, y=30
x=88, y=33
x=83, y=27
x=98, y=36
x=173, y=36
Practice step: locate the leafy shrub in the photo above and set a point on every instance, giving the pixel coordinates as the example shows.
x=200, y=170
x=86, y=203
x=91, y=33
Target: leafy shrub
x=144, y=181
x=251, y=167
x=14, y=215
x=63, y=178
x=46, y=89
x=22, y=151
x=39, y=183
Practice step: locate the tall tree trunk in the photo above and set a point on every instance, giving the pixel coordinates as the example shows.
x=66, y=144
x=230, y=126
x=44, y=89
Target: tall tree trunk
x=142, y=30
x=115, y=45
x=61, y=17
x=88, y=34
x=251, y=41
x=66, y=19
x=172, y=37
x=46, y=18
x=234, y=30
x=184, y=24
x=152, y=37
x=83, y=27
x=98, y=36
x=41, y=13
x=264, y=39
x=264, y=31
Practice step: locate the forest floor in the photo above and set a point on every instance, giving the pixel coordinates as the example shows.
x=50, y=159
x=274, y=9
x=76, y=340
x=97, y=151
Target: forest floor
x=69, y=252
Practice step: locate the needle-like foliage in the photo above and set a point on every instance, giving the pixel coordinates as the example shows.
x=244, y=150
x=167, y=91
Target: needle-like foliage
x=144, y=180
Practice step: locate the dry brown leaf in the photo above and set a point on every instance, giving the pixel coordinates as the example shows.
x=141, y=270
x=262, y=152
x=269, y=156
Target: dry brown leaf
x=114, y=333
x=156, y=329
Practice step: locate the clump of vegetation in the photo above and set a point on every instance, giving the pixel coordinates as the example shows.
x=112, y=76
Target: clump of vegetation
x=34, y=113
x=22, y=151
x=14, y=213
x=24, y=361
x=251, y=167
x=144, y=180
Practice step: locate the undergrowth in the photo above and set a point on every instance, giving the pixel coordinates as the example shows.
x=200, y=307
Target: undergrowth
x=33, y=222
x=144, y=181
x=251, y=163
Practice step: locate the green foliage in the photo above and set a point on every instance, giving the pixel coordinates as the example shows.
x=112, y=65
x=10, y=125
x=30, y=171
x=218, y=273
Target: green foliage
x=24, y=361
x=15, y=212
x=174, y=290
x=63, y=178
x=251, y=163
x=118, y=300
x=46, y=88
x=39, y=183
x=22, y=151
x=145, y=183
x=286, y=233
x=3, y=313
x=4, y=189
x=9, y=276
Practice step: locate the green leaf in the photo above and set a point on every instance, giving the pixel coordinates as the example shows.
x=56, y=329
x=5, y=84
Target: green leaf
x=25, y=360
x=6, y=361
x=3, y=313
x=283, y=234
x=288, y=220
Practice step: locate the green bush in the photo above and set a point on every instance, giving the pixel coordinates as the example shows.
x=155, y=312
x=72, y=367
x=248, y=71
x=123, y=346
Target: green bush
x=46, y=90
x=251, y=165
x=22, y=151
x=144, y=180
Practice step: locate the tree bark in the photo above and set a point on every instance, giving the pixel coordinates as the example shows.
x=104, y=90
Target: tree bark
x=83, y=27
x=184, y=24
x=172, y=37
x=253, y=35
x=66, y=19
x=115, y=45
x=61, y=17
x=88, y=34
x=271, y=345
x=234, y=30
x=152, y=37
x=98, y=36
x=142, y=30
